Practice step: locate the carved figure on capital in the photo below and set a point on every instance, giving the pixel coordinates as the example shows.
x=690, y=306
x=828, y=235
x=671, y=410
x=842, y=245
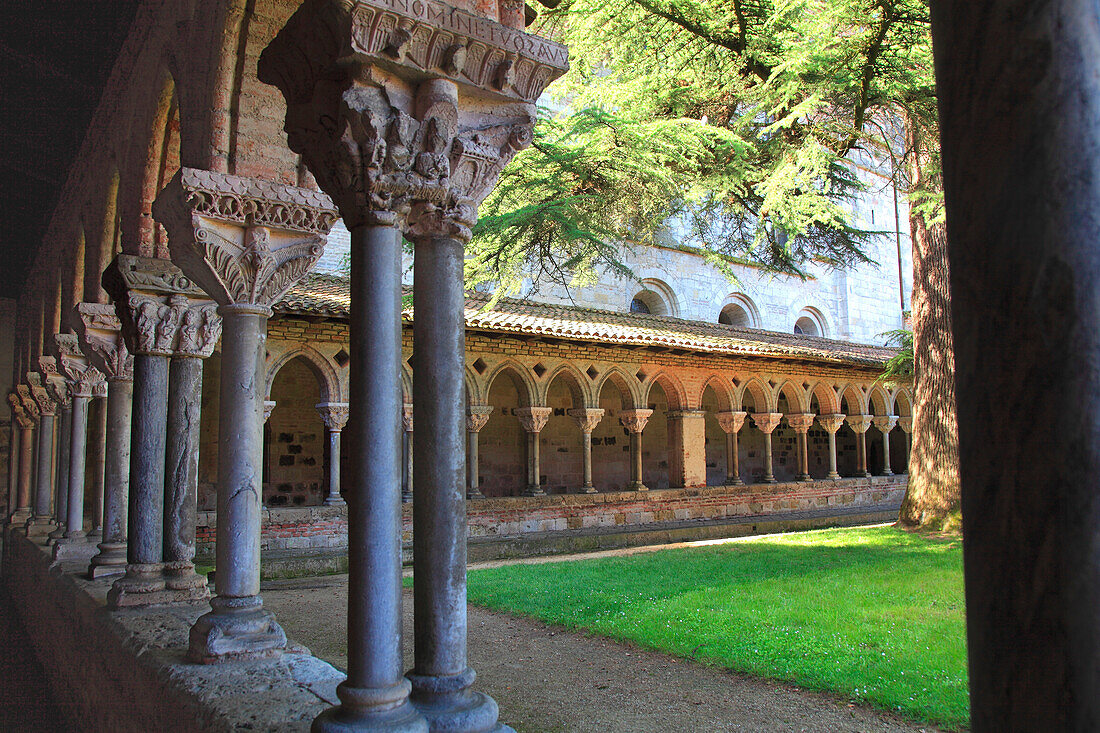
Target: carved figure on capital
x=101, y=335
x=18, y=412
x=477, y=416
x=30, y=407
x=731, y=422
x=407, y=417
x=533, y=419
x=54, y=381
x=334, y=414
x=37, y=390
x=586, y=418
x=885, y=423
x=766, y=422
x=634, y=420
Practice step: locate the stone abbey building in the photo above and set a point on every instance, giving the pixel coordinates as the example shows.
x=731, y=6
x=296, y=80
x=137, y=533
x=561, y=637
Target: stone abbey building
x=186, y=384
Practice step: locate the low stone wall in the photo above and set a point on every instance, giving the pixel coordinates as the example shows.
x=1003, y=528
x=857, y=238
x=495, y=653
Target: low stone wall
x=306, y=529
x=125, y=671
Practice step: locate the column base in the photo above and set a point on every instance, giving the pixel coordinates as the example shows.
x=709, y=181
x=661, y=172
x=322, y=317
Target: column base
x=588, y=490
x=110, y=561
x=235, y=628
x=142, y=585
x=533, y=491
x=887, y=472
x=68, y=549
x=19, y=518
x=474, y=494
x=385, y=710
x=39, y=527
x=448, y=704
x=181, y=576
x=636, y=486
x=335, y=501
x=832, y=476
x=734, y=481
x=768, y=480
x=57, y=534
x=863, y=474
x=804, y=478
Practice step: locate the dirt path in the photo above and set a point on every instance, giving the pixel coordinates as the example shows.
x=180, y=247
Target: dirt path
x=548, y=680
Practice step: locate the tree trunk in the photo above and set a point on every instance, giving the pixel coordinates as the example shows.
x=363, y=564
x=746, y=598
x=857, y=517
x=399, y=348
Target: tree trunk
x=933, y=498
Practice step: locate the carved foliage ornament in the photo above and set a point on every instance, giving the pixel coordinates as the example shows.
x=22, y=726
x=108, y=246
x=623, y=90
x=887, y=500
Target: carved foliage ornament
x=533, y=419
x=831, y=423
x=885, y=423
x=334, y=414
x=46, y=405
x=800, y=422
x=587, y=419
x=859, y=423
x=766, y=422
x=30, y=407
x=731, y=422
x=634, y=420
x=101, y=334
x=477, y=416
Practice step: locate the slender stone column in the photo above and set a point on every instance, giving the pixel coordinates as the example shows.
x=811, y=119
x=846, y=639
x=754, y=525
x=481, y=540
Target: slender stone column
x=635, y=420
x=886, y=423
x=13, y=453
x=97, y=459
x=587, y=419
x=245, y=263
x=22, y=427
x=407, y=145
x=62, y=461
x=831, y=423
x=533, y=420
x=407, y=453
x=335, y=416
x=476, y=417
x=100, y=335
x=731, y=423
x=800, y=423
x=766, y=422
x=906, y=423
x=41, y=520
x=859, y=425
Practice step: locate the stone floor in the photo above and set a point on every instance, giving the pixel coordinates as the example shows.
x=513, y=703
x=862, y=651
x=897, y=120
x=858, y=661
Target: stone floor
x=549, y=680
x=25, y=700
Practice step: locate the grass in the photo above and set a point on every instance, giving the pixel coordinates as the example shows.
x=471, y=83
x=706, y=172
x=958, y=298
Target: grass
x=875, y=614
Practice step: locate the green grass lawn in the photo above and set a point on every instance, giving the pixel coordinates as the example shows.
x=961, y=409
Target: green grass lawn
x=875, y=614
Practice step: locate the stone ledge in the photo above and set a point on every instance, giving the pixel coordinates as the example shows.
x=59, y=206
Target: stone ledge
x=125, y=671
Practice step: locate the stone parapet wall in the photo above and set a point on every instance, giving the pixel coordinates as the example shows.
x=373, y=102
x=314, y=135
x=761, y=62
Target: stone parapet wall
x=317, y=528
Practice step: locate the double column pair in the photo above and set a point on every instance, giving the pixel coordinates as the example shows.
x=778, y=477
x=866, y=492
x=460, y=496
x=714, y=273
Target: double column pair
x=26, y=414
x=426, y=138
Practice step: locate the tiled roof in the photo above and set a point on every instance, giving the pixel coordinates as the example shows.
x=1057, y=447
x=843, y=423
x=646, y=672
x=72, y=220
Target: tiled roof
x=328, y=295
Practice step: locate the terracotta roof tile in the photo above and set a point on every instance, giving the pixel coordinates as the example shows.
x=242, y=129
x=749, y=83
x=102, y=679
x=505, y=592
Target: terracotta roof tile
x=328, y=295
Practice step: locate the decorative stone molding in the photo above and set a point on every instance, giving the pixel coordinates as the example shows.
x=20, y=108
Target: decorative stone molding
x=533, y=419
x=831, y=423
x=269, y=407
x=766, y=422
x=46, y=404
x=334, y=414
x=587, y=418
x=54, y=381
x=731, y=422
x=18, y=412
x=30, y=407
x=477, y=416
x=80, y=378
x=244, y=240
x=859, y=423
x=634, y=420
x=101, y=334
x=906, y=423
x=407, y=417
x=800, y=422
x=885, y=423
x=372, y=106
x=686, y=414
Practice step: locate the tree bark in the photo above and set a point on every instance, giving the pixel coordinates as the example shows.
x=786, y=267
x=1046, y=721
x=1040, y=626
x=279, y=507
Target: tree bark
x=933, y=498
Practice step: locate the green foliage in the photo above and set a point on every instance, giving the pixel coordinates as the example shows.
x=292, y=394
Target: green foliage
x=726, y=125
x=874, y=614
x=900, y=368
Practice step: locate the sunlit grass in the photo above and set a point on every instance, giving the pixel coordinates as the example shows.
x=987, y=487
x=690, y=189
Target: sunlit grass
x=874, y=614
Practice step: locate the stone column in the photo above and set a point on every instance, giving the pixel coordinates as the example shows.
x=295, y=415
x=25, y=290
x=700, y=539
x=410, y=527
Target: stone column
x=60, y=392
x=859, y=425
x=41, y=521
x=101, y=339
x=587, y=418
x=97, y=458
x=13, y=452
x=245, y=242
x=766, y=422
x=198, y=332
x=635, y=420
x=407, y=145
x=886, y=423
x=906, y=423
x=406, y=453
x=476, y=417
x=731, y=423
x=533, y=420
x=831, y=423
x=21, y=461
x=335, y=416
x=800, y=423
x=687, y=448
x=74, y=544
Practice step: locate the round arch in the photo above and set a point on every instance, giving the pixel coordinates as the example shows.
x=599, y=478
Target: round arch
x=655, y=298
x=739, y=310
x=811, y=322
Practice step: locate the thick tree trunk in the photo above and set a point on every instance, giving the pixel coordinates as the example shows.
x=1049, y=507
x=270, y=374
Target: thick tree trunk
x=933, y=497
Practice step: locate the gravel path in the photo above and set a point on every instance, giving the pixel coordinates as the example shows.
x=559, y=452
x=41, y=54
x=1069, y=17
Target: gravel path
x=549, y=680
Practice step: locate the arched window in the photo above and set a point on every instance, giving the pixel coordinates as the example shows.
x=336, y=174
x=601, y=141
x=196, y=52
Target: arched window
x=655, y=298
x=638, y=306
x=809, y=323
x=739, y=311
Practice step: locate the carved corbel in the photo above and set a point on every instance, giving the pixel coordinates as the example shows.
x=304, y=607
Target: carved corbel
x=30, y=407
x=46, y=405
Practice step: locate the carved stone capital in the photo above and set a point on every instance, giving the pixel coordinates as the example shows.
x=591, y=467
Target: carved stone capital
x=906, y=423
x=47, y=406
x=17, y=412
x=244, y=240
x=831, y=423
x=54, y=381
x=533, y=419
x=858, y=423
x=101, y=335
x=373, y=92
x=30, y=407
x=407, y=417
x=885, y=423
x=269, y=407
x=334, y=414
x=587, y=418
x=79, y=378
x=766, y=422
x=477, y=416
x=800, y=422
x=200, y=327
x=731, y=422
x=634, y=420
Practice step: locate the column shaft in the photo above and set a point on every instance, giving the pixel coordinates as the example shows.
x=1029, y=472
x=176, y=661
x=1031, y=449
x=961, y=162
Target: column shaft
x=116, y=479
x=586, y=446
x=472, y=487
x=96, y=461
x=26, y=467
x=14, y=455
x=886, y=470
x=769, y=477
x=534, y=467
x=832, y=456
x=44, y=488
x=636, y=460
x=147, y=451
x=861, y=453
x=62, y=467
x=181, y=480
x=74, y=521
x=407, y=466
x=334, y=498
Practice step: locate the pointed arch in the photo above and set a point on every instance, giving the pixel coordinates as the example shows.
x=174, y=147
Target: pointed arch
x=796, y=396
x=759, y=392
x=525, y=387
x=317, y=363
x=474, y=393
x=722, y=389
x=672, y=387
x=628, y=386
x=406, y=383
x=855, y=397
x=878, y=401
x=827, y=400
x=101, y=236
x=573, y=381
x=902, y=402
